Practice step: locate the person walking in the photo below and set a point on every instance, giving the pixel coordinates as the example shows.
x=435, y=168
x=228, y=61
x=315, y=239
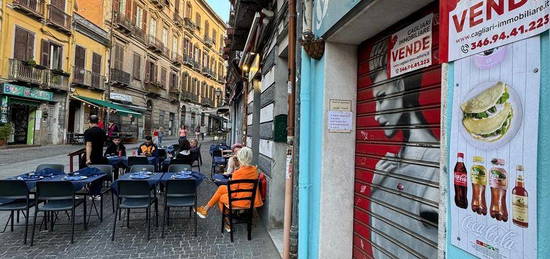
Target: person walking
x=160, y=136
x=155, y=138
x=183, y=132
x=203, y=131
x=197, y=131
x=112, y=129
x=94, y=138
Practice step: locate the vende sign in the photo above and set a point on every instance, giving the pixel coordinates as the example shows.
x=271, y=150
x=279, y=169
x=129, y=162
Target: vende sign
x=411, y=48
x=478, y=25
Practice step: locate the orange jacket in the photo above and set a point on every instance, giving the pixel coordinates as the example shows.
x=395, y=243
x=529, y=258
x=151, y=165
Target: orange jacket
x=243, y=173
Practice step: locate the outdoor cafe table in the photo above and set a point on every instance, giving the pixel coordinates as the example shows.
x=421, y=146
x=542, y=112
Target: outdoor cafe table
x=157, y=178
x=77, y=184
x=116, y=160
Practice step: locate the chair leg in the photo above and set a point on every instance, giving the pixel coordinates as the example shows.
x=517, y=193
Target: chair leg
x=101, y=208
x=85, y=213
x=18, y=216
x=195, y=220
x=73, y=220
x=223, y=218
x=231, y=227
x=249, y=228
x=26, y=226
x=114, y=224
x=157, y=213
x=168, y=215
x=12, y=219
x=148, y=223
x=128, y=218
x=113, y=202
x=34, y=224
x=164, y=221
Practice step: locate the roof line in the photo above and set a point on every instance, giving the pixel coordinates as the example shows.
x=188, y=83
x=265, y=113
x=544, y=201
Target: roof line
x=205, y=4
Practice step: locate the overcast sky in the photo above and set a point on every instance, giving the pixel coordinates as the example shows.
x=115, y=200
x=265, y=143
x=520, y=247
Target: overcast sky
x=221, y=7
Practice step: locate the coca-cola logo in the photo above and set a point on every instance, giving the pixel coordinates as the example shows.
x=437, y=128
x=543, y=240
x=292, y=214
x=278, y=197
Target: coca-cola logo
x=493, y=234
x=460, y=179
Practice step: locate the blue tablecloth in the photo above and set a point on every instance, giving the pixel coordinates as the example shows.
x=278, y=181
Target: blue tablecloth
x=198, y=177
x=220, y=179
x=153, y=180
x=118, y=160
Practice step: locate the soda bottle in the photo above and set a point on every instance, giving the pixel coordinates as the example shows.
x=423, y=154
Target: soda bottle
x=519, y=201
x=499, y=184
x=461, y=176
x=479, y=182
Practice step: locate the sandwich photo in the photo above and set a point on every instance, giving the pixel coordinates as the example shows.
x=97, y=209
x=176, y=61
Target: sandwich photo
x=488, y=115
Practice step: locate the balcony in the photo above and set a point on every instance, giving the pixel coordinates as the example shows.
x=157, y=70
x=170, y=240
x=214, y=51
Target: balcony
x=207, y=102
x=119, y=77
x=178, y=21
x=58, y=19
x=122, y=23
x=189, y=97
x=89, y=79
x=189, y=24
x=159, y=3
x=188, y=61
x=57, y=80
x=164, y=50
x=139, y=34
x=27, y=73
x=153, y=88
x=208, y=41
x=205, y=71
x=32, y=8
x=177, y=59
x=154, y=44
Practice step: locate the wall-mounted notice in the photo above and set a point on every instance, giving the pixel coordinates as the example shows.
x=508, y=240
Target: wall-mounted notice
x=493, y=150
x=340, y=117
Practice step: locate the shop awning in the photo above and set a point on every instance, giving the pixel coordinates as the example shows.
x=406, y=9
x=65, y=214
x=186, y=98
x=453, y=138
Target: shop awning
x=110, y=105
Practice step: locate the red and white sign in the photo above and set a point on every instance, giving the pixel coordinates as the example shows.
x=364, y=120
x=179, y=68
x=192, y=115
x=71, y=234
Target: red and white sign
x=411, y=47
x=478, y=25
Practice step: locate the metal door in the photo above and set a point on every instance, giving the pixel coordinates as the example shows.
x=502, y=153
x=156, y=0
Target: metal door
x=397, y=153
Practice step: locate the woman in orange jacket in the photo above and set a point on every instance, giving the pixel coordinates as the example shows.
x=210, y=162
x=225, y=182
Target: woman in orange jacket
x=245, y=171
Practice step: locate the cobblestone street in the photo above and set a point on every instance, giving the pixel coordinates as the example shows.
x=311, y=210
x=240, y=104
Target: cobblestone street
x=130, y=243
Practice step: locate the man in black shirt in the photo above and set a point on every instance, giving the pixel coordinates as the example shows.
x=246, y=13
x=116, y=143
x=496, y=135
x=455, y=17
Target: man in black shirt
x=94, y=138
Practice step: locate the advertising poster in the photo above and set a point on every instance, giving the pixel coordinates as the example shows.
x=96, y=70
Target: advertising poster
x=493, y=151
x=474, y=26
x=397, y=155
x=411, y=47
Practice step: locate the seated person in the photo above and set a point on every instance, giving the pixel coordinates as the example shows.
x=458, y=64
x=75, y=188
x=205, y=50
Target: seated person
x=115, y=148
x=194, y=144
x=233, y=162
x=147, y=148
x=183, y=153
x=220, y=197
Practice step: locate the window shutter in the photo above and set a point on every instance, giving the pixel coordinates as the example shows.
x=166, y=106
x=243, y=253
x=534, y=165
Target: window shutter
x=147, y=71
x=30, y=46
x=144, y=25
x=96, y=63
x=134, y=15
x=128, y=8
x=45, y=53
x=116, y=6
x=177, y=6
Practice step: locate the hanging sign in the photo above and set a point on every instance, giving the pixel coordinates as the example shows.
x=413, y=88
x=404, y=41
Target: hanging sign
x=493, y=150
x=411, y=47
x=23, y=91
x=120, y=97
x=474, y=26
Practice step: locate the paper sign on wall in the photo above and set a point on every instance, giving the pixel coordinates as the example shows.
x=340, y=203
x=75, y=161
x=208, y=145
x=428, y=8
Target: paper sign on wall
x=340, y=117
x=411, y=47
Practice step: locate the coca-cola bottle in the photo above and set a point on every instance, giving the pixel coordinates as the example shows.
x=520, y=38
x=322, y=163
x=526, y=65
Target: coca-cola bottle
x=478, y=175
x=519, y=201
x=499, y=184
x=461, y=176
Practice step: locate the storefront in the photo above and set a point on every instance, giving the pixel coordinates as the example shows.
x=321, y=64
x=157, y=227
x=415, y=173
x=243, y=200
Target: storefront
x=129, y=125
x=80, y=111
x=24, y=108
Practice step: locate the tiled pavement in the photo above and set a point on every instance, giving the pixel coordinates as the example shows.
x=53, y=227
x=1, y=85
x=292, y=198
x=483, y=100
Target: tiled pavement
x=132, y=243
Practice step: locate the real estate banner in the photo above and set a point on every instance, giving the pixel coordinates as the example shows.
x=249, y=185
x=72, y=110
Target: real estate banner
x=411, y=47
x=493, y=151
x=474, y=26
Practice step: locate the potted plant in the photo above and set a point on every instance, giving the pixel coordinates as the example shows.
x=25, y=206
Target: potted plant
x=5, y=132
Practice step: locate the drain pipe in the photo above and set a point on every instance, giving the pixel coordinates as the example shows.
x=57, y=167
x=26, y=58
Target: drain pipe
x=290, y=135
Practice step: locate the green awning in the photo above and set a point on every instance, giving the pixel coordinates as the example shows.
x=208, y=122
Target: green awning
x=110, y=105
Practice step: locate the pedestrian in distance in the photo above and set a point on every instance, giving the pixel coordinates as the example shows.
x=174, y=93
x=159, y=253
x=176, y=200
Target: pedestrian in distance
x=112, y=129
x=220, y=197
x=155, y=136
x=94, y=138
x=203, y=131
x=183, y=132
x=160, y=136
x=148, y=148
x=197, y=131
x=115, y=148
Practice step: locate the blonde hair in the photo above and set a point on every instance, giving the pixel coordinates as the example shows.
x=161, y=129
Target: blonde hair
x=245, y=156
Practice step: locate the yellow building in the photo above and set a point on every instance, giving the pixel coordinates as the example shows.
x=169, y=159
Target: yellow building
x=35, y=66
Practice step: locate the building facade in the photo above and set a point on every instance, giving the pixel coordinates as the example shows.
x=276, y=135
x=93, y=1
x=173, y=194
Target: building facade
x=165, y=63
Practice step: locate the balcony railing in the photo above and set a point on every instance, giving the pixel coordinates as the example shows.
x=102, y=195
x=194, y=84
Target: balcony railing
x=88, y=79
x=188, y=61
x=33, y=8
x=208, y=41
x=59, y=19
x=154, y=44
x=178, y=21
x=153, y=87
x=139, y=34
x=57, y=80
x=24, y=72
x=159, y=3
x=207, y=102
x=189, y=96
x=122, y=22
x=164, y=50
x=120, y=77
x=189, y=24
x=177, y=59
